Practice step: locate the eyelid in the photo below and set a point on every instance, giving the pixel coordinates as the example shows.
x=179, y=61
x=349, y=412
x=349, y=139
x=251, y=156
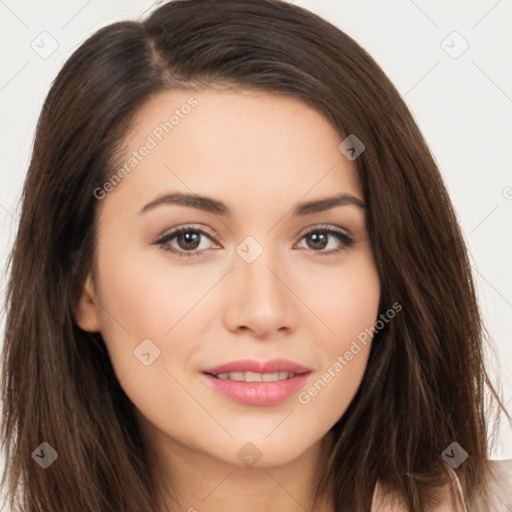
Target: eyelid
x=322, y=227
x=184, y=228
x=345, y=239
x=172, y=233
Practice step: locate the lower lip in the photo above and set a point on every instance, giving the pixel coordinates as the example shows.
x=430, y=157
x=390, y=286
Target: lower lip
x=258, y=393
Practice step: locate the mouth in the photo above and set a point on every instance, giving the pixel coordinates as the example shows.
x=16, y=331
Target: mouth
x=255, y=376
x=257, y=383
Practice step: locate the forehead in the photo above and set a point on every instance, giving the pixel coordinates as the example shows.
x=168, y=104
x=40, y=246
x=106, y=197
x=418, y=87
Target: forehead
x=243, y=146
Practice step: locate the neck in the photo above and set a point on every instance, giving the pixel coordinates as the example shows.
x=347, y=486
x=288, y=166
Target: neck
x=193, y=481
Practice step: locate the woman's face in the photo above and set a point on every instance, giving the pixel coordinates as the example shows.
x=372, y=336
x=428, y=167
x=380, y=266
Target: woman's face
x=256, y=280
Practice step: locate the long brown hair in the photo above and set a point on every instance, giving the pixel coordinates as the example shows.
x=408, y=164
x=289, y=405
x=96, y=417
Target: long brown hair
x=424, y=386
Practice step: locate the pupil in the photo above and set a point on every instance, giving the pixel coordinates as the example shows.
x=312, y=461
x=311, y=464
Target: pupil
x=319, y=237
x=188, y=239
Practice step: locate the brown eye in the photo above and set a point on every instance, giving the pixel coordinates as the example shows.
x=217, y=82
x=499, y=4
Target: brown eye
x=184, y=241
x=319, y=239
x=188, y=240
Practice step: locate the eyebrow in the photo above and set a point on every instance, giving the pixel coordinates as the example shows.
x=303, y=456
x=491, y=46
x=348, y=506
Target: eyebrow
x=214, y=206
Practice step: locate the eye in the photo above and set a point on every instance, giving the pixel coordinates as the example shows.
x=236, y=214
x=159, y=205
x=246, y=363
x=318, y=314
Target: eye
x=318, y=240
x=188, y=241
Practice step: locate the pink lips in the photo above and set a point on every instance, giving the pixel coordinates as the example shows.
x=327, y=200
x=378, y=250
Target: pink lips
x=249, y=365
x=258, y=393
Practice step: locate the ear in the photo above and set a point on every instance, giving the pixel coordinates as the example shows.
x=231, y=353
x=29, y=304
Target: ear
x=87, y=310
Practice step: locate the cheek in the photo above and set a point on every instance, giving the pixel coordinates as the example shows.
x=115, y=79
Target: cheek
x=135, y=306
x=139, y=308
x=347, y=303
x=145, y=296
x=346, y=300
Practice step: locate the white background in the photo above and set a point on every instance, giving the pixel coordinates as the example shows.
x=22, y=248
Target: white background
x=463, y=106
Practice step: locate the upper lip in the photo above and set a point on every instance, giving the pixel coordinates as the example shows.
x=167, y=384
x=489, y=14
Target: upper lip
x=250, y=365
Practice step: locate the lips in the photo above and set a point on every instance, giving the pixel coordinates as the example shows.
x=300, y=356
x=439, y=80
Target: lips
x=257, y=383
x=249, y=365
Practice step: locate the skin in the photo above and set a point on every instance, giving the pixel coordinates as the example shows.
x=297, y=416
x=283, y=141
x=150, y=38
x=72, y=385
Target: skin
x=260, y=154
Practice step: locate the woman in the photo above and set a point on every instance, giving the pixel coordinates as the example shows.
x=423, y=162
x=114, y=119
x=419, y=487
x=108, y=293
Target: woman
x=239, y=282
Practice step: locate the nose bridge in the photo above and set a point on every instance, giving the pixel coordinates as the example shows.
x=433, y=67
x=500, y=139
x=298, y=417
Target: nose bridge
x=258, y=299
x=256, y=266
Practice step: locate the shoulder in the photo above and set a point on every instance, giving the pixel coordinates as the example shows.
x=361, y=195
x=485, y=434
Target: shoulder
x=450, y=497
x=500, y=496
x=499, y=500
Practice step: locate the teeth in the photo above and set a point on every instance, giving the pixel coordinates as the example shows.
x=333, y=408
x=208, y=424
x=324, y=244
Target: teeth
x=239, y=376
x=270, y=377
x=255, y=377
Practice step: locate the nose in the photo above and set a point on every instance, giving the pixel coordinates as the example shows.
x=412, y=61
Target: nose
x=258, y=298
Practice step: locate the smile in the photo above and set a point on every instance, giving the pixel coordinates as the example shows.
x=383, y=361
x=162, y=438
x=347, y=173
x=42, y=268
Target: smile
x=255, y=377
x=257, y=383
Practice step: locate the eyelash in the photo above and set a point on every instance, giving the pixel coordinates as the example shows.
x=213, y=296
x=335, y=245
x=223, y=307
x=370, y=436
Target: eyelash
x=347, y=241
